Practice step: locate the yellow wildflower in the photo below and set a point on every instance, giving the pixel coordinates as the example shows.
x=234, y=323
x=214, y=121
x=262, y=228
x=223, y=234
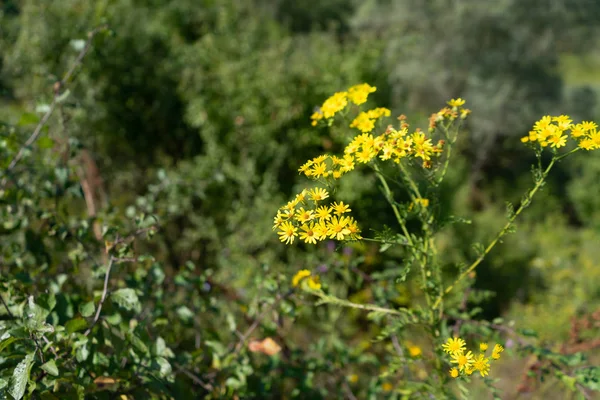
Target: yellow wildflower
x=358, y=94
x=456, y=102
x=334, y=104
x=589, y=125
x=482, y=365
x=363, y=123
x=323, y=213
x=287, y=232
x=496, y=351
x=353, y=378
x=304, y=216
x=314, y=282
x=341, y=208
x=338, y=228
x=318, y=194
x=303, y=273
x=454, y=345
x=308, y=233
x=454, y=373
x=387, y=387
x=462, y=359
x=414, y=351
x=483, y=346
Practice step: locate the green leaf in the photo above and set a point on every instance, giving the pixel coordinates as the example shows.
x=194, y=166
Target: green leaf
x=127, y=299
x=50, y=367
x=76, y=324
x=3, y=383
x=137, y=343
x=589, y=377
x=164, y=366
x=6, y=342
x=20, y=377
x=87, y=309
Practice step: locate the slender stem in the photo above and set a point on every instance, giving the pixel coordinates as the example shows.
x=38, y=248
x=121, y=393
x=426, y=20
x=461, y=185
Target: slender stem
x=327, y=299
x=524, y=204
x=388, y=195
x=102, y=298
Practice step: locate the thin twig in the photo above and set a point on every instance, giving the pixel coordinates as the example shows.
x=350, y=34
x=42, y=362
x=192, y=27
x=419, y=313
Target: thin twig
x=194, y=378
x=55, y=100
x=10, y=314
x=102, y=298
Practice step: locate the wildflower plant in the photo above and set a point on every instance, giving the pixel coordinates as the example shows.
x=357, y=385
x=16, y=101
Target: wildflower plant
x=410, y=165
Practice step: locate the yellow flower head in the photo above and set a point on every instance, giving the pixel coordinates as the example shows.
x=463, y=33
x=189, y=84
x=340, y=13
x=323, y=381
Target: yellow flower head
x=463, y=359
x=496, y=351
x=334, y=104
x=456, y=102
x=454, y=345
x=358, y=94
x=318, y=194
x=483, y=346
x=454, y=373
x=287, y=232
x=387, y=387
x=308, y=233
x=314, y=282
x=482, y=365
x=340, y=208
x=414, y=351
x=303, y=273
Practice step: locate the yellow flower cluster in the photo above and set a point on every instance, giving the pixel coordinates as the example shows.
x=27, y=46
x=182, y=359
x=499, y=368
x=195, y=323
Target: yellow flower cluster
x=356, y=94
x=365, y=121
x=312, y=221
x=554, y=131
x=451, y=113
x=313, y=282
x=466, y=362
x=326, y=165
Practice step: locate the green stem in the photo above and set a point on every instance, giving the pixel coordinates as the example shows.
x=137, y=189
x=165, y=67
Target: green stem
x=388, y=195
x=328, y=299
x=524, y=204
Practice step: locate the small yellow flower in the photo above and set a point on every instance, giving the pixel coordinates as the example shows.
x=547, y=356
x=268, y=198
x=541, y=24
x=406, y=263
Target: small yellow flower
x=338, y=228
x=358, y=93
x=287, y=232
x=463, y=360
x=387, y=387
x=341, y=208
x=456, y=102
x=323, y=213
x=334, y=104
x=303, y=273
x=454, y=345
x=414, y=351
x=496, y=351
x=454, y=373
x=314, y=282
x=318, y=194
x=308, y=233
x=482, y=365
x=483, y=346
x=353, y=378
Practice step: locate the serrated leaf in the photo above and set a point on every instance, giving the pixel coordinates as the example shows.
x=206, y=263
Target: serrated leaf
x=87, y=309
x=20, y=377
x=75, y=325
x=50, y=367
x=127, y=299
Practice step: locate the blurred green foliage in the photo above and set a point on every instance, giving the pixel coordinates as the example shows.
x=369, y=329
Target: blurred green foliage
x=187, y=121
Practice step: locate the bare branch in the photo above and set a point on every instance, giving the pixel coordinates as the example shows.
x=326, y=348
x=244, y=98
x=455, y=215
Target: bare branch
x=102, y=298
